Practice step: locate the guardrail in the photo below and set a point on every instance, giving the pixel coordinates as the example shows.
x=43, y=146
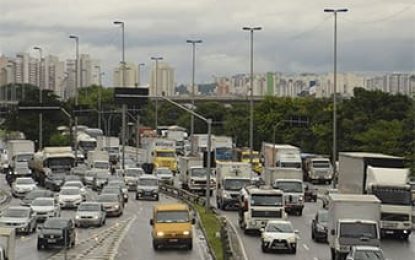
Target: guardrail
x=232, y=246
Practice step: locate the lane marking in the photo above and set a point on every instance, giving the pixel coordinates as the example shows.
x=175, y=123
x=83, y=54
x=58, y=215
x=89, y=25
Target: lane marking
x=315, y=258
x=306, y=247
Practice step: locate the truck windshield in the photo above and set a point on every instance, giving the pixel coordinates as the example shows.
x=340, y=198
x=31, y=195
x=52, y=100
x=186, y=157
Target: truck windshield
x=223, y=154
x=247, y=157
x=88, y=145
x=172, y=217
x=266, y=200
x=60, y=162
x=198, y=172
x=24, y=157
x=112, y=149
x=235, y=184
x=393, y=196
x=296, y=165
x=289, y=186
x=165, y=154
x=321, y=164
x=101, y=165
x=358, y=230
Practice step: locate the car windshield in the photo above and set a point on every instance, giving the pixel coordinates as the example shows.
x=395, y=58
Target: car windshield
x=289, y=186
x=321, y=164
x=42, y=202
x=107, y=198
x=101, y=165
x=36, y=194
x=358, y=230
x=199, y=172
x=74, y=184
x=132, y=173
x=235, y=184
x=165, y=154
x=89, y=207
x=55, y=223
x=111, y=190
x=24, y=157
x=279, y=228
x=70, y=192
x=172, y=217
x=24, y=181
x=266, y=200
x=16, y=213
x=147, y=182
x=323, y=216
x=369, y=255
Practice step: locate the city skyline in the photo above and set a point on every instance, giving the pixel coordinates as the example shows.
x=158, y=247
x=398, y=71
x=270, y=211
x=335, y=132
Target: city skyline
x=296, y=37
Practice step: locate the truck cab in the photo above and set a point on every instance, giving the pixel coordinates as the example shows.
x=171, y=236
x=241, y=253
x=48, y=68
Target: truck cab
x=318, y=170
x=196, y=180
x=258, y=204
x=165, y=157
x=244, y=155
x=293, y=194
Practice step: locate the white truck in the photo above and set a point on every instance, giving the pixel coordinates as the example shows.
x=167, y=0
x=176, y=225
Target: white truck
x=86, y=143
x=111, y=144
x=258, y=204
x=231, y=177
x=179, y=135
x=318, y=169
x=281, y=156
x=223, y=148
x=20, y=153
x=193, y=175
x=353, y=220
x=385, y=177
x=7, y=243
x=98, y=160
x=290, y=181
x=199, y=142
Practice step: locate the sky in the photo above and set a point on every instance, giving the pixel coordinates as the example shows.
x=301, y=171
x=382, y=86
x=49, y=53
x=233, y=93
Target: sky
x=296, y=35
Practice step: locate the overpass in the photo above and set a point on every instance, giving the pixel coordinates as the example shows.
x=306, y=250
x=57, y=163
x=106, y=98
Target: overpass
x=200, y=99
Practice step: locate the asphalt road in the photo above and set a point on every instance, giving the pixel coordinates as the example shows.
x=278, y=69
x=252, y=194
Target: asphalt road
x=127, y=237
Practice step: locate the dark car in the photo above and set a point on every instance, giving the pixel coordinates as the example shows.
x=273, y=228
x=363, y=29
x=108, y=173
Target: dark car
x=119, y=184
x=27, y=200
x=310, y=193
x=319, y=226
x=112, y=204
x=58, y=232
x=114, y=190
x=100, y=180
x=54, y=181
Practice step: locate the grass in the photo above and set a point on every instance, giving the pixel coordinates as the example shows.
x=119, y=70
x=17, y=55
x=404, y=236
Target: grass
x=211, y=225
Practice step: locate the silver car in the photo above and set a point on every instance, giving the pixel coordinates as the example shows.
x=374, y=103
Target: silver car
x=112, y=204
x=147, y=187
x=165, y=175
x=20, y=218
x=44, y=208
x=131, y=176
x=90, y=214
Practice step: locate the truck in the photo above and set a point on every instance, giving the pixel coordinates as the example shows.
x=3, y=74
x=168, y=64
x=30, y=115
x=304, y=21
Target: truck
x=222, y=146
x=244, y=155
x=386, y=177
x=161, y=152
x=290, y=181
x=258, y=204
x=111, y=144
x=281, y=156
x=179, y=135
x=199, y=142
x=7, y=243
x=20, y=153
x=52, y=160
x=193, y=175
x=317, y=169
x=98, y=159
x=231, y=177
x=353, y=220
x=86, y=143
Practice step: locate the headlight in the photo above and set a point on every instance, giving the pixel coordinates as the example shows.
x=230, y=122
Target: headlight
x=116, y=206
x=95, y=217
x=320, y=228
x=226, y=195
x=155, y=191
x=292, y=239
x=41, y=235
x=300, y=198
x=267, y=238
x=160, y=234
x=140, y=191
x=186, y=233
x=77, y=217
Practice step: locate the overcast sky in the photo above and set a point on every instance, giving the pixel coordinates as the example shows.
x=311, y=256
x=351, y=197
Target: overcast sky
x=297, y=36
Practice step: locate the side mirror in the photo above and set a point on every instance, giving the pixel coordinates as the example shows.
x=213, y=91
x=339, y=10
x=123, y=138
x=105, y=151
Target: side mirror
x=193, y=221
x=332, y=232
x=262, y=230
x=296, y=231
x=151, y=222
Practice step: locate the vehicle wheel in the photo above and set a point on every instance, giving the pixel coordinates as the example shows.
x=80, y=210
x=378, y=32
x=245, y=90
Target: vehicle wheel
x=157, y=198
x=294, y=251
x=155, y=246
x=405, y=237
x=222, y=206
x=136, y=197
x=73, y=244
x=333, y=254
x=211, y=193
x=190, y=246
x=39, y=246
x=313, y=237
x=300, y=212
x=263, y=248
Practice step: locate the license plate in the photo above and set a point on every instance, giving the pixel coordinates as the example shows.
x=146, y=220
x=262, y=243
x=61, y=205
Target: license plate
x=51, y=240
x=173, y=240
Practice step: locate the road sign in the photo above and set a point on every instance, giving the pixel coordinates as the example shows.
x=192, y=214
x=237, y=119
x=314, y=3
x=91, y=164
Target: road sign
x=131, y=96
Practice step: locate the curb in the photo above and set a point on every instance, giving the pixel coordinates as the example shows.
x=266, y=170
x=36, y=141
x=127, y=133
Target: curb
x=241, y=245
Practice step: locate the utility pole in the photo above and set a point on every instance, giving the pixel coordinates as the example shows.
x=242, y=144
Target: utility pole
x=156, y=59
x=77, y=83
x=40, y=97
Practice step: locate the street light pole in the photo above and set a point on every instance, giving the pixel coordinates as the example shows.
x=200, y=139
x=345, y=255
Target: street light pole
x=334, y=156
x=40, y=97
x=251, y=89
x=124, y=106
x=100, y=74
x=76, y=38
x=156, y=87
x=192, y=117
x=139, y=73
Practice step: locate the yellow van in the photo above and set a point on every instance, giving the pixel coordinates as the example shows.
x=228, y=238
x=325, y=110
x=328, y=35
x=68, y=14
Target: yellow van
x=172, y=225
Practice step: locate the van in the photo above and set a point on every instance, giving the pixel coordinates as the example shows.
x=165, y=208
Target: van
x=172, y=226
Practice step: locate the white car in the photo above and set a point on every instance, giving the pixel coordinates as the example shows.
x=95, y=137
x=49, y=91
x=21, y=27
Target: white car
x=44, y=208
x=365, y=253
x=70, y=197
x=164, y=175
x=279, y=235
x=22, y=186
x=77, y=184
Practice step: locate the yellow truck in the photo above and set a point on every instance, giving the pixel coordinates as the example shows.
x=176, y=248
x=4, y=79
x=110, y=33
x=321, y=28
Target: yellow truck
x=243, y=155
x=161, y=152
x=172, y=226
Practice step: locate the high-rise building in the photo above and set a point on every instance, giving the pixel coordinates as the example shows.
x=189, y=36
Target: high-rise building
x=131, y=76
x=165, y=80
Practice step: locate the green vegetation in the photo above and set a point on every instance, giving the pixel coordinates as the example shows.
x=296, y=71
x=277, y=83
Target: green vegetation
x=211, y=224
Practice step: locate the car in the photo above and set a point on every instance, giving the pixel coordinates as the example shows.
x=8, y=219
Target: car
x=54, y=181
x=57, y=231
x=147, y=188
x=22, y=186
x=100, y=180
x=44, y=208
x=72, y=177
x=365, y=253
x=114, y=190
x=77, y=184
x=325, y=197
x=172, y=226
x=90, y=214
x=279, y=235
x=319, y=226
x=112, y=204
x=412, y=184
x=120, y=184
x=37, y=193
x=20, y=218
x=131, y=176
x=310, y=193
x=165, y=175
x=89, y=177
x=70, y=197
